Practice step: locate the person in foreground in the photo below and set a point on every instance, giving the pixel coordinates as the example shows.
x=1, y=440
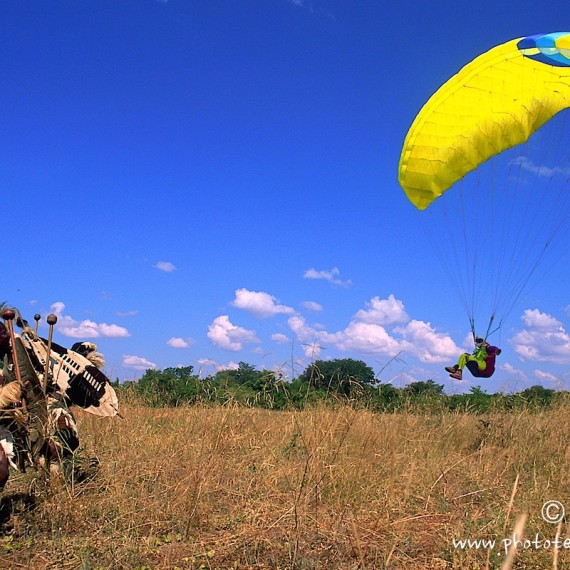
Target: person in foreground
x=481, y=363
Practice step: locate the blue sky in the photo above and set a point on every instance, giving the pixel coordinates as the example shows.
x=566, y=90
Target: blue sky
x=203, y=183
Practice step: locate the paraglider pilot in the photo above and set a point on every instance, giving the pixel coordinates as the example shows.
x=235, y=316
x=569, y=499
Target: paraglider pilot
x=481, y=363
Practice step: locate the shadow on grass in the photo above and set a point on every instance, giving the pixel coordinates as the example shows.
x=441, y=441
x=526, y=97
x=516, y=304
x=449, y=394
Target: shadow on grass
x=14, y=503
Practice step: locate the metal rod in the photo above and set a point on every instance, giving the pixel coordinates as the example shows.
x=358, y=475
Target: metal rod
x=37, y=318
x=51, y=320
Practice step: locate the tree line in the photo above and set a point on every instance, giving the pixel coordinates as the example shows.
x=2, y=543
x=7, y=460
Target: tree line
x=330, y=382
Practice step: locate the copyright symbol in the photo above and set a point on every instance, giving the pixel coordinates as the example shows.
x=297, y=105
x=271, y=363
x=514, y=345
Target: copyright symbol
x=553, y=512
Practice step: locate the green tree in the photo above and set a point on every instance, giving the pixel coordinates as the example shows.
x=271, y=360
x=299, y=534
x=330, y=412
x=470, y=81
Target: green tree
x=427, y=388
x=386, y=397
x=538, y=396
x=342, y=376
x=249, y=386
x=170, y=387
x=477, y=401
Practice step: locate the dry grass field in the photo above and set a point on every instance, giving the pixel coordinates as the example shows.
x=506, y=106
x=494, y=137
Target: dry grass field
x=230, y=487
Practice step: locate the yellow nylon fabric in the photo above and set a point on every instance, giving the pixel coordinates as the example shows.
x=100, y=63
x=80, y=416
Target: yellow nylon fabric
x=494, y=103
x=563, y=42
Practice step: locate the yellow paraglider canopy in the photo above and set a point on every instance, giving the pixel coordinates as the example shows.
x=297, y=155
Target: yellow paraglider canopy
x=494, y=103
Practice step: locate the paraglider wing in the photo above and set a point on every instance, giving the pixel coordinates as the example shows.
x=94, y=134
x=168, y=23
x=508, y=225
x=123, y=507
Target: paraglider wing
x=494, y=103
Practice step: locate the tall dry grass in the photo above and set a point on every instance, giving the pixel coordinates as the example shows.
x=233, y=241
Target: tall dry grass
x=230, y=487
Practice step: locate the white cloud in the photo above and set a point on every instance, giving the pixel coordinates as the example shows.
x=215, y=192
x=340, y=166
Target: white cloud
x=546, y=376
x=228, y=336
x=512, y=371
x=407, y=377
x=543, y=339
x=312, y=306
x=84, y=329
x=69, y=327
x=205, y=364
x=308, y=336
x=428, y=345
x=177, y=342
x=280, y=338
x=533, y=318
x=133, y=313
x=330, y=276
x=138, y=362
x=165, y=266
x=299, y=326
x=209, y=366
x=58, y=307
x=543, y=171
x=113, y=331
x=556, y=382
x=365, y=336
x=383, y=312
x=259, y=304
x=468, y=342
x=231, y=365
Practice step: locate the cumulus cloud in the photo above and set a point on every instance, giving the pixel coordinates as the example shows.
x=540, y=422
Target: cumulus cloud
x=312, y=306
x=112, y=330
x=533, y=318
x=328, y=275
x=165, y=266
x=138, y=362
x=307, y=335
x=177, y=342
x=542, y=339
x=304, y=333
x=383, y=312
x=228, y=336
x=426, y=344
x=69, y=327
x=58, y=307
x=372, y=332
x=259, y=304
x=366, y=338
x=280, y=338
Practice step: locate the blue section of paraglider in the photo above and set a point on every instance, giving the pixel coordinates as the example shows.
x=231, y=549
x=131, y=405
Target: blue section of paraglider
x=551, y=49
